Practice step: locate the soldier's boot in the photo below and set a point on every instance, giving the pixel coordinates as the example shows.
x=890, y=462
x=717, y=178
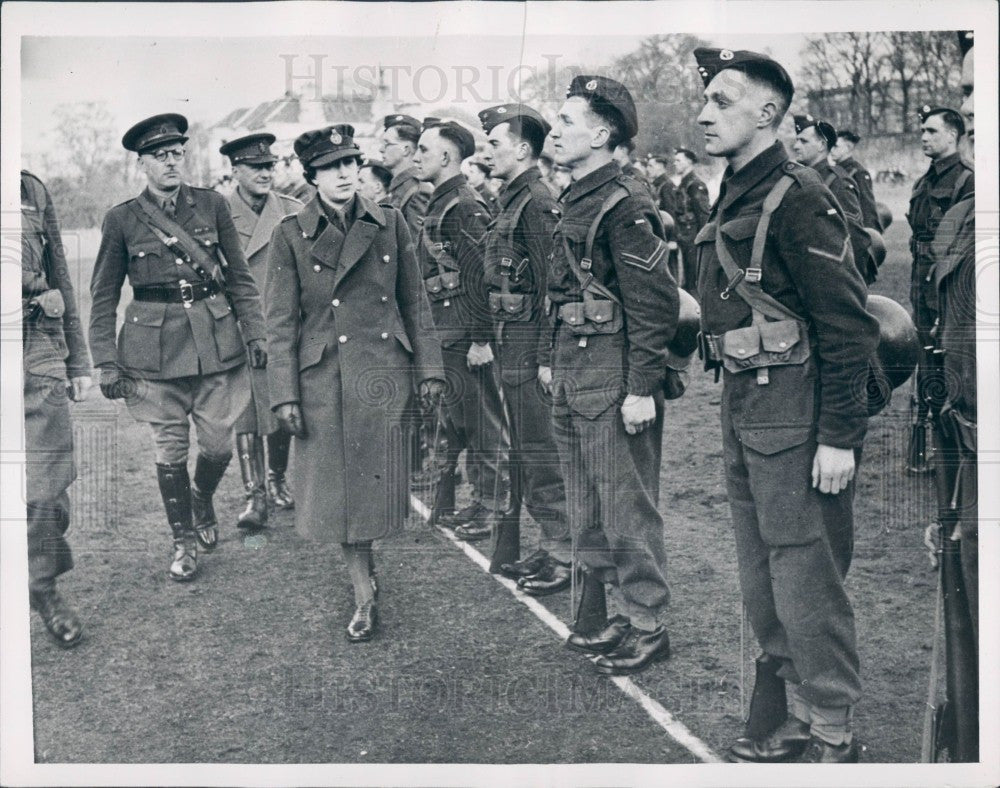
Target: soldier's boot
x=444, y=494
x=207, y=473
x=278, y=445
x=59, y=618
x=250, y=450
x=175, y=489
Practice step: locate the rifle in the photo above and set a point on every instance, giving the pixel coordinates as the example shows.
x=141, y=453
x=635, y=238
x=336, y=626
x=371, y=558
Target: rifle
x=917, y=460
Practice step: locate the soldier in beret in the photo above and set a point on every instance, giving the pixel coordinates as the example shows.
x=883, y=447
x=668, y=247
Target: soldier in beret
x=842, y=154
x=374, y=181
x=56, y=369
x=517, y=255
x=256, y=210
x=450, y=249
x=477, y=173
x=180, y=354
x=690, y=213
x=783, y=318
x=349, y=325
x=614, y=309
x=949, y=178
x=397, y=146
x=813, y=142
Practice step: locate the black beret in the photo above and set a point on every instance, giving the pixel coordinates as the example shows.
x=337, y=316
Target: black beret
x=954, y=118
x=494, y=116
x=689, y=153
x=325, y=146
x=430, y=122
x=824, y=129
x=965, y=41
x=456, y=133
x=607, y=97
x=850, y=136
x=155, y=131
x=251, y=149
x=711, y=61
x=400, y=120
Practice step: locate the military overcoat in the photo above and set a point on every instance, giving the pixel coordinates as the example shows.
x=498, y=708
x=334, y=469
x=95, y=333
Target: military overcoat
x=349, y=331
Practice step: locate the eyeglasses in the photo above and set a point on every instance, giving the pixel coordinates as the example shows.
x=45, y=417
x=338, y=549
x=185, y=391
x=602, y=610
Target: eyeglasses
x=162, y=155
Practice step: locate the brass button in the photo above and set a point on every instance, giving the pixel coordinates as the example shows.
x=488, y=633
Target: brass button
x=782, y=344
x=135, y=320
x=142, y=254
x=384, y=299
x=342, y=339
x=741, y=351
x=385, y=335
x=178, y=261
x=316, y=268
x=336, y=302
x=386, y=258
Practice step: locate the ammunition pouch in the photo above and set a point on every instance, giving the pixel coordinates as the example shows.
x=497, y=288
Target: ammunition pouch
x=49, y=303
x=592, y=316
x=443, y=285
x=764, y=344
x=510, y=307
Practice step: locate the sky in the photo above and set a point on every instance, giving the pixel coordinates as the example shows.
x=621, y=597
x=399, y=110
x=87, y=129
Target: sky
x=205, y=78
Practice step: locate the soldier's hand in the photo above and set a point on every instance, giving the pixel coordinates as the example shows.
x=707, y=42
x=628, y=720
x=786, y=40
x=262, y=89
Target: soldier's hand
x=832, y=469
x=638, y=413
x=932, y=541
x=289, y=416
x=256, y=354
x=479, y=354
x=545, y=379
x=80, y=387
x=431, y=392
x=115, y=384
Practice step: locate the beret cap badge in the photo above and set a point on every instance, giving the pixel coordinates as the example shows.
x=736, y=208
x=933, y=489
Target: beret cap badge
x=592, y=85
x=726, y=54
x=335, y=137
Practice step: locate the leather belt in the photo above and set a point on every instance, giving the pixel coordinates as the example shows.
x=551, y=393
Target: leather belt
x=184, y=293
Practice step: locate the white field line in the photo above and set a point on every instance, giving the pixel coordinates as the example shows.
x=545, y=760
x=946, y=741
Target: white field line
x=674, y=728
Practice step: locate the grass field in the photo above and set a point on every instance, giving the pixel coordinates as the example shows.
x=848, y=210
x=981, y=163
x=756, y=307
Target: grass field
x=250, y=664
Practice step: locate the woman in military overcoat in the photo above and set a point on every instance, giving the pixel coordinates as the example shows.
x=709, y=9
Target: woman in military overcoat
x=349, y=333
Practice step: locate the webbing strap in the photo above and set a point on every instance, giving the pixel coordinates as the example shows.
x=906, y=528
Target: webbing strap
x=407, y=194
x=440, y=257
x=619, y=194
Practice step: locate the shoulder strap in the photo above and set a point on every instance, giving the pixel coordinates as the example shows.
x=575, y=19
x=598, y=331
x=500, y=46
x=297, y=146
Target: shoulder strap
x=830, y=178
x=436, y=249
x=519, y=206
x=960, y=182
x=581, y=268
x=760, y=302
x=174, y=237
x=619, y=194
x=407, y=194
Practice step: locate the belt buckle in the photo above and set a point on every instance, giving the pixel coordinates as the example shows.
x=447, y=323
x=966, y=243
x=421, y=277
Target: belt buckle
x=187, y=293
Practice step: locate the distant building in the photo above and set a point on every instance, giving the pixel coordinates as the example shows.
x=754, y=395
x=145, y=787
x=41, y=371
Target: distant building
x=886, y=109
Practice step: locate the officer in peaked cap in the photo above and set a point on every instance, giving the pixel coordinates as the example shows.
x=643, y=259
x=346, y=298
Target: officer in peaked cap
x=180, y=354
x=256, y=210
x=842, y=154
x=949, y=179
x=450, y=249
x=785, y=323
x=397, y=146
x=814, y=140
x=517, y=253
x=614, y=310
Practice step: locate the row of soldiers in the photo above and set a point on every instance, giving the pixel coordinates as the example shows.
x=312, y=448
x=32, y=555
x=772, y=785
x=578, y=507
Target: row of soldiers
x=559, y=324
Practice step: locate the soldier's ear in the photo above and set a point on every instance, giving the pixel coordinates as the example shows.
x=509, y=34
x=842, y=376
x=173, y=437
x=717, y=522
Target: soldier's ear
x=769, y=115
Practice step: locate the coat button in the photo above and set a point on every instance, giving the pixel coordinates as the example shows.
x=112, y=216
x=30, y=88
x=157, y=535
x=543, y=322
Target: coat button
x=384, y=299
x=741, y=351
x=335, y=302
x=782, y=344
x=386, y=258
x=342, y=339
x=385, y=335
x=142, y=254
x=316, y=268
x=178, y=261
x=135, y=320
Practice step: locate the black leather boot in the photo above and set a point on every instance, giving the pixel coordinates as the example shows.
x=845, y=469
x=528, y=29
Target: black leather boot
x=278, y=445
x=250, y=450
x=207, y=473
x=59, y=618
x=175, y=489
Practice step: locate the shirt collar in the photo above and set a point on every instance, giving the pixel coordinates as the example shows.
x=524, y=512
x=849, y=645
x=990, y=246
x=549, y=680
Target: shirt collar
x=519, y=184
x=592, y=180
x=945, y=163
x=735, y=185
x=401, y=177
x=452, y=184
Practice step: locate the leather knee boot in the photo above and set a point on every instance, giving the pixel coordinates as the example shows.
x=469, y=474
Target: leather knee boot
x=250, y=449
x=278, y=445
x=207, y=473
x=175, y=489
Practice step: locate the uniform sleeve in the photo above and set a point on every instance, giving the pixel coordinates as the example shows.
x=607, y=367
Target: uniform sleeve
x=813, y=240
x=282, y=324
x=866, y=198
x=465, y=228
x=416, y=208
x=968, y=188
x=106, y=282
x=648, y=291
x=846, y=193
x=699, y=203
x=415, y=308
x=239, y=281
x=539, y=224
x=78, y=361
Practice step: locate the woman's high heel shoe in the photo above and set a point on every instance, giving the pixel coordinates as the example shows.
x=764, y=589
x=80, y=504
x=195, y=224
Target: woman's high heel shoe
x=363, y=623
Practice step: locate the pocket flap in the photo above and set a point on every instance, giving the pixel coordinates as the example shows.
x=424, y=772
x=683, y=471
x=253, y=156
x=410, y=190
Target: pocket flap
x=218, y=306
x=779, y=336
x=207, y=238
x=145, y=313
x=496, y=304
x=599, y=311
x=512, y=303
x=310, y=355
x=770, y=439
x=571, y=313
x=143, y=249
x=741, y=342
x=741, y=228
x=706, y=233
x=433, y=284
x=449, y=279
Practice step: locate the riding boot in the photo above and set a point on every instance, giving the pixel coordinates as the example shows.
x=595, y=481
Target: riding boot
x=175, y=489
x=207, y=473
x=278, y=445
x=250, y=449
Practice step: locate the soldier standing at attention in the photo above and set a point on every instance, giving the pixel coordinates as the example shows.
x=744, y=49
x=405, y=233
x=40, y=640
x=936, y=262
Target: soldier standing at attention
x=373, y=182
x=517, y=255
x=813, y=141
x=949, y=179
x=690, y=213
x=614, y=309
x=842, y=154
x=257, y=209
x=783, y=315
x=450, y=250
x=54, y=352
x=180, y=354
x=397, y=146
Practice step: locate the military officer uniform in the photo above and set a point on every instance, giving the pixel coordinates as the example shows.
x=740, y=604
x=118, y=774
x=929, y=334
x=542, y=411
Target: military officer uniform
x=787, y=326
x=450, y=249
x=53, y=350
x=180, y=353
x=405, y=192
x=690, y=214
x=517, y=255
x=255, y=219
x=614, y=309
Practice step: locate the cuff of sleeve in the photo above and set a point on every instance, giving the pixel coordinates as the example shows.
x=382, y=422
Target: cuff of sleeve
x=641, y=384
x=842, y=432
